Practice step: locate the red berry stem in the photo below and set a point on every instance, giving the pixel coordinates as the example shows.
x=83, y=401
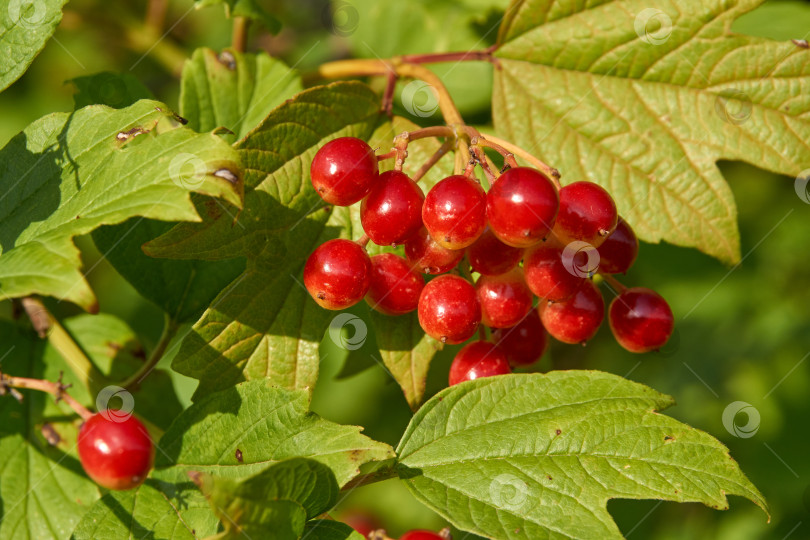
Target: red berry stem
x=439, y=154
x=505, y=148
x=170, y=328
x=362, y=241
x=388, y=96
x=56, y=389
x=461, y=56
x=480, y=141
x=388, y=155
x=481, y=158
x=614, y=283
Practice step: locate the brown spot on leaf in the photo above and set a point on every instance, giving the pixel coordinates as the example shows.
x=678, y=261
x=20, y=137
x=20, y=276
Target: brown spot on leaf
x=227, y=59
x=227, y=174
x=50, y=434
x=238, y=455
x=669, y=438
x=558, y=431
x=801, y=43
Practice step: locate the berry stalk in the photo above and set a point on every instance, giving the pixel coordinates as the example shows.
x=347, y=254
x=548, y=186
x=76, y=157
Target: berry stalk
x=56, y=389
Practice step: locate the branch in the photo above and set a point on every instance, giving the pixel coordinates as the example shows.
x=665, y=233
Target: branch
x=240, y=34
x=613, y=282
x=169, y=331
x=56, y=389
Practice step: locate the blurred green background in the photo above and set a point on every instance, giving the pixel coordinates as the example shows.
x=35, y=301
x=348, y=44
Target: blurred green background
x=742, y=333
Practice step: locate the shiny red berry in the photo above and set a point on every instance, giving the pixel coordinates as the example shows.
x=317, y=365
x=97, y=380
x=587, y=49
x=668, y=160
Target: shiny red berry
x=395, y=285
x=521, y=206
x=428, y=256
x=619, y=250
x=525, y=343
x=455, y=211
x=449, y=310
x=641, y=320
x=115, y=452
x=338, y=274
x=504, y=299
x=343, y=171
x=477, y=360
x=490, y=257
x=587, y=214
x=421, y=535
x=576, y=319
x=392, y=210
x=551, y=276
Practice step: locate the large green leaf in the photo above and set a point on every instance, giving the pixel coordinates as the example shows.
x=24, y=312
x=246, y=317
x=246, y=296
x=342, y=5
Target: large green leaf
x=43, y=490
x=265, y=325
x=67, y=174
x=273, y=504
x=539, y=456
x=234, y=434
x=233, y=90
x=645, y=98
x=25, y=27
x=242, y=430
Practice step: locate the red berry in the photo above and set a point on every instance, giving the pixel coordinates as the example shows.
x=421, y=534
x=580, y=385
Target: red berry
x=392, y=210
x=525, y=343
x=421, y=535
x=338, y=274
x=455, y=211
x=477, y=360
x=504, y=299
x=641, y=320
x=343, y=171
x=576, y=319
x=395, y=286
x=619, y=250
x=551, y=276
x=425, y=254
x=521, y=206
x=449, y=310
x=587, y=213
x=490, y=257
x=115, y=454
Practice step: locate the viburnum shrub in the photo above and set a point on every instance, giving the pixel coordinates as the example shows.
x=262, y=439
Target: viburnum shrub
x=270, y=201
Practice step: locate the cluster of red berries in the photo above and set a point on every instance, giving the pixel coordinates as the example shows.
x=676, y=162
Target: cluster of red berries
x=558, y=235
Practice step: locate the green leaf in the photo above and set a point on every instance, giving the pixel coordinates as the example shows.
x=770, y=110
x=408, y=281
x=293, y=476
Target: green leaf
x=116, y=90
x=245, y=8
x=25, y=27
x=327, y=529
x=539, y=456
x=645, y=98
x=43, y=490
x=242, y=430
x=276, y=503
x=114, y=349
x=265, y=325
x=406, y=351
x=67, y=174
x=156, y=509
x=233, y=90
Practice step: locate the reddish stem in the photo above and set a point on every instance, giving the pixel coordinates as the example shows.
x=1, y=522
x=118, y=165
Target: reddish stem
x=56, y=389
x=613, y=282
x=460, y=56
x=363, y=241
x=437, y=155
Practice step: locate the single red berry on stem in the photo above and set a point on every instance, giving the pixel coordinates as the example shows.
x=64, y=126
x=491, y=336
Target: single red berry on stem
x=490, y=257
x=576, y=319
x=449, y=310
x=428, y=256
x=395, y=285
x=455, y=211
x=477, y=360
x=338, y=274
x=522, y=205
x=421, y=535
x=619, y=250
x=525, y=343
x=392, y=210
x=551, y=276
x=641, y=320
x=587, y=214
x=504, y=299
x=115, y=452
x=343, y=171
